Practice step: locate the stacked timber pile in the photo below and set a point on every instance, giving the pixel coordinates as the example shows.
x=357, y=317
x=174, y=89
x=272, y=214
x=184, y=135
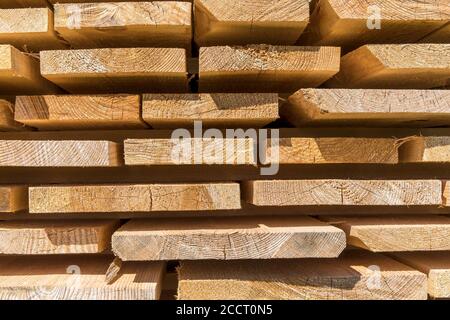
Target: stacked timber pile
x=224, y=149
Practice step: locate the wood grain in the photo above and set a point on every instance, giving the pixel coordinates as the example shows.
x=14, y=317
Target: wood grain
x=7, y=122
x=227, y=239
x=13, y=198
x=134, y=198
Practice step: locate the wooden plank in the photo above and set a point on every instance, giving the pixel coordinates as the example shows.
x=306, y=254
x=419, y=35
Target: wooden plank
x=64, y=112
x=402, y=66
x=299, y=150
x=190, y=151
x=19, y=73
x=434, y=264
x=65, y=153
x=446, y=193
x=7, y=122
x=56, y=237
x=425, y=149
x=16, y=29
x=24, y=3
x=227, y=239
x=352, y=23
x=134, y=198
x=368, y=107
x=343, y=192
x=395, y=233
x=263, y=68
x=441, y=35
x=218, y=110
x=13, y=198
x=353, y=276
x=74, y=277
x=125, y=24
x=232, y=22
x=117, y=70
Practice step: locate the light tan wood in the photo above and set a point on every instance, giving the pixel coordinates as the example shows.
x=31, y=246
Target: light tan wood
x=368, y=107
x=16, y=29
x=353, y=276
x=441, y=35
x=64, y=153
x=125, y=24
x=343, y=192
x=298, y=150
x=113, y=272
x=76, y=277
x=13, y=198
x=401, y=66
x=446, y=194
x=63, y=112
x=134, y=198
x=117, y=70
x=425, y=149
x=19, y=73
x=190, y=151
x=352, y=23
x=227, y=239
x=7, y=122
x=395, y=233
x=218, y=110
x=263, y=68
x=56, y=237
x=434, y=264
x=24, y=3
x=231, y=22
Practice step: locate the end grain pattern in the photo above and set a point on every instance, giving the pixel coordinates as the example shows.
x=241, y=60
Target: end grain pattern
x=396, y=66
x=343, y=192
x=76, y=277
x=349, y=277
x=63, y=112
x=56, y=237
x=59, y=153
x=395, y=233
x=232, y=22
x=264, y=68
x=117, y=70
x=134, y=198
x=227, y=239
x=190, y=151
x=223, y=110
x=368, y=107
x=125, y=24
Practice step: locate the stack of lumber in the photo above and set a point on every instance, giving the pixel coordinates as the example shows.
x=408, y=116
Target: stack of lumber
x=224, y=149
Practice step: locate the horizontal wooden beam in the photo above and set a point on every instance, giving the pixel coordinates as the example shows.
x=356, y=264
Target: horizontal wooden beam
x=134, y=198
x=263, y=68
x=227, y=239
x=7, y=122
x=355, y=275
x=343, y=192
x=117, y=70
x=63, y=112
x=56, y=237
x=13, y=198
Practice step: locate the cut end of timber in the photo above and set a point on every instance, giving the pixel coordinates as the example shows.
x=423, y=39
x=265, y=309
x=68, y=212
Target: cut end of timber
x=402, y=66
x=59, y=153
x=227, y=239
x=116, y=70
x=343, y=192
x=264, y=68
x=7, y=122
x=395, y=233
x=135, y=198
x=190, y=151
x=63, y=112
x=345, y=278
x=77, y=277
x=213, y=110
x=231, y=22
x=56, y=237
x=13, y=198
